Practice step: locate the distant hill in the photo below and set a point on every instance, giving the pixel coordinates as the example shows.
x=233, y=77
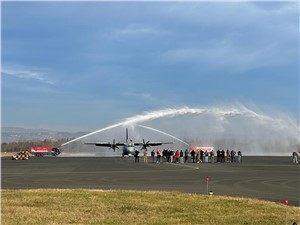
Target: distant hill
x=15, y=134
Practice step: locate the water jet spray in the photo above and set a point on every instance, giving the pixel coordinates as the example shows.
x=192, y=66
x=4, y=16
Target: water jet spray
x=222, y=127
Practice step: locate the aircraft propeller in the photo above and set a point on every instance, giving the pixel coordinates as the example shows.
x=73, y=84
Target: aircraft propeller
x=113, y=145
x=145, y=144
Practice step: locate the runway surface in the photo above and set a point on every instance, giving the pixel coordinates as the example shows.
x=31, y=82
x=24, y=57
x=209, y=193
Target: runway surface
x=269, y=178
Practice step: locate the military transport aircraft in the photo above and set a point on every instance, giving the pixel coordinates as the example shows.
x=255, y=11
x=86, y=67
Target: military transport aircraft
x=129, y=146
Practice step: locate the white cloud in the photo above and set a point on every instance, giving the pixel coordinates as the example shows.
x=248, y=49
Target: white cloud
x=137, y=30
x=27, y=73
x=227, y=56
x=233, y=14
x=240, y=36
x=149, y=98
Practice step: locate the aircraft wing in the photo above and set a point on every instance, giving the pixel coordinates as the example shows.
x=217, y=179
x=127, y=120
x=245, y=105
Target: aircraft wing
x=152, y=143
x=104, y=144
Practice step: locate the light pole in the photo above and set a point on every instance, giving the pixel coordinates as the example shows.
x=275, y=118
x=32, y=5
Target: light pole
x=286, y=202
x=206, y=180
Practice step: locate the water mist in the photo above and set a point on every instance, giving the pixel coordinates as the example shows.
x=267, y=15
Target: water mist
x=237, y=128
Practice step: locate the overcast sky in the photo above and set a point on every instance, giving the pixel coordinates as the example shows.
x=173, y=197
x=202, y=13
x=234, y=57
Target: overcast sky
x=85, y=65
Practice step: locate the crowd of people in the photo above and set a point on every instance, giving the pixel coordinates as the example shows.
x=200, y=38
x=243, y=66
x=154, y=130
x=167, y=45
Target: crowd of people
x=194, y=156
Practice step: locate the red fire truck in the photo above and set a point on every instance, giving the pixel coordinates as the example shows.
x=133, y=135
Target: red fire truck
x=41, y=151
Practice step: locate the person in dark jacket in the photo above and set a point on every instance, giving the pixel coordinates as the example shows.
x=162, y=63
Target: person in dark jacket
x=181, y=156
x=136, y=156
x=186, y=155
x=193, y=155
x=295, y=157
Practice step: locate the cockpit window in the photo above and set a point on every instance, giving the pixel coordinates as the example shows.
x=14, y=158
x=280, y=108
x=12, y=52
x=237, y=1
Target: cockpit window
x=130, y=143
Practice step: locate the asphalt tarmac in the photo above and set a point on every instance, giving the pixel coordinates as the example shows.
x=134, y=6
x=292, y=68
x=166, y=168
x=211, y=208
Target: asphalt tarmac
x=269, y=178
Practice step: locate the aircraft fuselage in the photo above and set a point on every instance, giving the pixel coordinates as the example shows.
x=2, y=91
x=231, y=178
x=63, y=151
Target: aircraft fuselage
x=128, y=149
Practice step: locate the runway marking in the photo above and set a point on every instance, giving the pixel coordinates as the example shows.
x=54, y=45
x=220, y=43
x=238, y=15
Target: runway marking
x=185, y=168
x=183, y=165
x=100, y=172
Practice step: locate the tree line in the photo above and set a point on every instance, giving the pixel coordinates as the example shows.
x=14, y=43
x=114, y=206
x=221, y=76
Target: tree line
x=26, y=145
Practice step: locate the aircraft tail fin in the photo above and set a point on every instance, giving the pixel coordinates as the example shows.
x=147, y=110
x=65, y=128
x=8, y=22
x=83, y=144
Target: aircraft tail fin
x=127, y=135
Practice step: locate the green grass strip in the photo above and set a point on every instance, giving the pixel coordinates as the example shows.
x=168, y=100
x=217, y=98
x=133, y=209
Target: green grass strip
x=56, y=206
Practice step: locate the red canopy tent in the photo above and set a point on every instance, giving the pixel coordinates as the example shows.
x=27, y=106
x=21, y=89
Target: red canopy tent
x=204, y=149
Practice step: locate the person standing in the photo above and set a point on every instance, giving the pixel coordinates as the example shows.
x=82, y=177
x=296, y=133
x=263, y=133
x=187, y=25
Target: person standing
x=164, y=155
x=218, y=156
x=145, y=156
x=186, y=155
x=177, y=156
x=152, y=156
x=295, y=157
x=222, y=155
x=232, y=156
x=158, y=155
x=239, y=156
x=168, y=155
x=193, y=155
x=181, y=156
x=206, y=157
x=136, y=156
x=198, y=160
x=227, y=155
x=201, y=155
x=212, y=156
x=171, y=156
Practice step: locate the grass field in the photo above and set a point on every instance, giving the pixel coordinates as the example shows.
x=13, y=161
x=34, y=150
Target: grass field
x=7, y=154
x=137, y=207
